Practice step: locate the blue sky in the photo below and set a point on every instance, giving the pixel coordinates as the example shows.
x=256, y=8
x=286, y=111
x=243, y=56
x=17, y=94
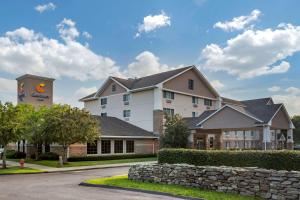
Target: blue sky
x=248, y=49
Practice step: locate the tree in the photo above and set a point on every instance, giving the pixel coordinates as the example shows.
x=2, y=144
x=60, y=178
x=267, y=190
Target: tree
x=9, y=127
x=35, y=126
x=66, y=126
x=176, y=133
x=296, y=122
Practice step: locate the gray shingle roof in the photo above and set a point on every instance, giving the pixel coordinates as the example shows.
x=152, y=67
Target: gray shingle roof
x=87, y=97
x=151, y=80
x=112, y=126
x=232, y=101
x=257, y=108
x=192, y=122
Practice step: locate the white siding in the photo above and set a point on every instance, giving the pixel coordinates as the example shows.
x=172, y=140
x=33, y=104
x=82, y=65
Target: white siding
x=141, y=106
x=182, y=104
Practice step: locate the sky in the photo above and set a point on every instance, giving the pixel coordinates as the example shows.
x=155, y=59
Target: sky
x=247, y=49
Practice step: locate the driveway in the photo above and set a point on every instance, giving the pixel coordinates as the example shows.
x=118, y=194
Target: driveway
x=64, y=186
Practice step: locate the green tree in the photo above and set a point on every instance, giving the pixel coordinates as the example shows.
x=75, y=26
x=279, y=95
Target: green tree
x=9, y=127
x=67, y=126
x=296, y=122
x=176, y=133
x=36, y=127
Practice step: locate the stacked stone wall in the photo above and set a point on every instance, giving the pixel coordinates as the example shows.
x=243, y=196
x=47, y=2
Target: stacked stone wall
x=268, y=184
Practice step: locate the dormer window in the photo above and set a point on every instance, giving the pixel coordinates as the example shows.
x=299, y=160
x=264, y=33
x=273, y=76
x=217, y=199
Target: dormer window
x=191, y=84
x=113, y=88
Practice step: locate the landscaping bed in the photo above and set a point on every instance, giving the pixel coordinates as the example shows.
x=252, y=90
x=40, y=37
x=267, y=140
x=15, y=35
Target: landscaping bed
x=122, y=182
x=18, y=170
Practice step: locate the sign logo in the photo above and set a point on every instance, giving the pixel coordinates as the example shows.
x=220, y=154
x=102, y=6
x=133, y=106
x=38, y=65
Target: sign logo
x=21, y=92
x=39, y=92
x=40, y=88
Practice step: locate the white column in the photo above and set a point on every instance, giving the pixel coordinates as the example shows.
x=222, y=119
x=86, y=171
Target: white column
x=124, y=146
x=219, y=103
x=290, y=137
x=112, y=146
x=99, y=146
x=191, y=138
x=266, y=136
x=158, y=97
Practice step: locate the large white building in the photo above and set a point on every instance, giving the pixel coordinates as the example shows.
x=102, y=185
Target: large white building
x=214, y=121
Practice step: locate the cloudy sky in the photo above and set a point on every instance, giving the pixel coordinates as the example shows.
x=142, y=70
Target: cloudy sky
x=247, y=49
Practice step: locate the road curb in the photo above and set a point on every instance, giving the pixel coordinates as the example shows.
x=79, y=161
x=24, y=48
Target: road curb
x=137, y=190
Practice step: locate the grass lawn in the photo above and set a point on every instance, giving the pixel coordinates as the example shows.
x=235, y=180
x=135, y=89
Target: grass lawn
x=17, y=170
x=122, y=181
x=54, y=163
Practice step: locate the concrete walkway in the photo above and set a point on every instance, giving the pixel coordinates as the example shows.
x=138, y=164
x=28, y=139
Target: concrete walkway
x=65, y=169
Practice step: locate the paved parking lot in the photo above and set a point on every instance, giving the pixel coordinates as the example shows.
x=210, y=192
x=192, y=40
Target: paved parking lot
x=64, y=186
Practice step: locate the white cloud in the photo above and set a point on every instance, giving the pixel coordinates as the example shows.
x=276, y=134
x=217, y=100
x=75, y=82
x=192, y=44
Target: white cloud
x=146, y=63
x=153, y=22
x=238, y=23
x=25, y=51
x=293, y=90
x=45, y=7
x=83, y=91
x=254, y=52
x=217, y=84
x=8, y=90
x=274, y=89
x=291, y=102
x=67, y=29
x=87, y=35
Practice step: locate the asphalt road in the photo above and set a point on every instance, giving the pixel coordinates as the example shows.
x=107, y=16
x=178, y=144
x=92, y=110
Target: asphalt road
x=64, y=186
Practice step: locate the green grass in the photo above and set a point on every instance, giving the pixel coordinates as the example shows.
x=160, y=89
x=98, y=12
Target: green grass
x=54, y=163
x=17, y=170
x=124, y=182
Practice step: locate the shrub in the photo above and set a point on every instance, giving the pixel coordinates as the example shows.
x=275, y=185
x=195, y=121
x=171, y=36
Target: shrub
x=109, y=157
x=278, y=160
x=12, y=154
x=49, y=156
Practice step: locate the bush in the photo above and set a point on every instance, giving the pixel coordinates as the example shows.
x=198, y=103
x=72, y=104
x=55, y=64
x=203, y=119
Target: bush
x=48, y=156
x=278, y=160
x=109, y=157
x=12, y=154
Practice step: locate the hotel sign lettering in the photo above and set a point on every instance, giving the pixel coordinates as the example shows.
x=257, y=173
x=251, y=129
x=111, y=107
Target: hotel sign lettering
x=39, y=91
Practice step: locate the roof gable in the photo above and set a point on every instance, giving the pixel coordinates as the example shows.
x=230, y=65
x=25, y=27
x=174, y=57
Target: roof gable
x=179, y=82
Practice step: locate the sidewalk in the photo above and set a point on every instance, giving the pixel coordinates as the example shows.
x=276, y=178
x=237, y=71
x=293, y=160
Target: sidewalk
x=66, y=169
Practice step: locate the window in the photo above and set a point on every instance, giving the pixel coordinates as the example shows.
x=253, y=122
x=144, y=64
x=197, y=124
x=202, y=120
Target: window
x=211, y=142
x=226, y=133
x=191, y=84
x=194, y=114
x=168, y=95
x=129, y=146
x=118, y=146
x=91, y=148
x=169, y=111
x=103, y=101
x=113, y=88
x=252, y=133
x=105, y=146
x=207, y=102
x=195, y=100
x=126, y=113
x=126, y=97
x=103, y=114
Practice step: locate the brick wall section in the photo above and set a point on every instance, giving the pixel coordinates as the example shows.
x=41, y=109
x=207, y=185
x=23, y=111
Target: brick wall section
x=77, y=150
x=268, y=184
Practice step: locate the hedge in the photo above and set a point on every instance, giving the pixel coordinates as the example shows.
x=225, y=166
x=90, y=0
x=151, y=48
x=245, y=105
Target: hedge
x=110, y=157
x=278, y=160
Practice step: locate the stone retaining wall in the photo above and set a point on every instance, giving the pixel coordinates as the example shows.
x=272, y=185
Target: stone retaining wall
x=268, y=184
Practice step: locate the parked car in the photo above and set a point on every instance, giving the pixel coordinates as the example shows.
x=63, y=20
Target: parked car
x=297, y=147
